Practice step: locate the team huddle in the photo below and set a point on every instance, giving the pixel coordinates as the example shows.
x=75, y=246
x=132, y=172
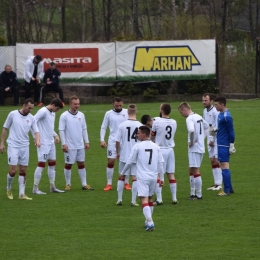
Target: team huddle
x=144, y=149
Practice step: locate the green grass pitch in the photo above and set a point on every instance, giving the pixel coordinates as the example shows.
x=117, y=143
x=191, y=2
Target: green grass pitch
x=88, y=225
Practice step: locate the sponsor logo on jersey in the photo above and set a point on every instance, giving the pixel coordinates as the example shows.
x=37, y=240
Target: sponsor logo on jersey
x=165, y=58
x=71, y=60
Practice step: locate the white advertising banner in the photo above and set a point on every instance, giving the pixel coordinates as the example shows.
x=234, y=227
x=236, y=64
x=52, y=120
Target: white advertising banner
x=77, y=62
x=166, y=60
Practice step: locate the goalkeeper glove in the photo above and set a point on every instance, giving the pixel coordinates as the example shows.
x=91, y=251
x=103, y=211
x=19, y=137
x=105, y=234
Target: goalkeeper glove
x=213, y=131
x=232, y=148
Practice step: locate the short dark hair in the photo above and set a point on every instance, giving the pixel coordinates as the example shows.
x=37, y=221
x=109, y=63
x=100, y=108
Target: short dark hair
x=145, y=119
x=211, y=96
x=27, y=101
x=57, y=102
x=221, y=100
x=166, y=108
x=52, y=63
x=38, y=57
x=145, y=130
x=117, y=99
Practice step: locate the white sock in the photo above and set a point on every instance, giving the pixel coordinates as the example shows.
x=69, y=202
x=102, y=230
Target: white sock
x=151, y=207
x=37, y=177
x=67, y=174
x=198, y=185
x=217, y=173
x=127, y=179
x=83, y=176
x=9, y=181
x=120, y=188
x=51, y=174
x=110, y=172
x=21, y=181
x=158, y=192
x=147, y=213
x=173, y=188
x=192, y=185
x=134, y=191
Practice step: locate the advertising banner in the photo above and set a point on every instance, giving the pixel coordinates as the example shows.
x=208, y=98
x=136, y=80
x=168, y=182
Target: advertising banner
x=77, y=62
x=165, y=60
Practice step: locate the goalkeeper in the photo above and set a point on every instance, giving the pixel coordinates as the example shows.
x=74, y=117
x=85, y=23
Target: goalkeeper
x=225, y=142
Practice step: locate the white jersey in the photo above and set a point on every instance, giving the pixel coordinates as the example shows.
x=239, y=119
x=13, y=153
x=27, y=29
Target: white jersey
x=211, y=117
x=164, y=130
x=112, y=120
x=126, y=136
x=73, y=126
x=45, y=121
x=147, y=155
x=19, y=126
x=195, y=123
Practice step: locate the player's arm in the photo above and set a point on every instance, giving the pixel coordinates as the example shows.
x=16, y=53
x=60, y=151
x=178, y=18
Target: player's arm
x=118, y=140
x=56, y=137
x=103, y=131
x=231, y=134
x=117, y=150
x=160, y=167
x=62, y=127
x=85, y=132
x=2, y=143
x=191, y=131
x=85, y=138
x=36, y=133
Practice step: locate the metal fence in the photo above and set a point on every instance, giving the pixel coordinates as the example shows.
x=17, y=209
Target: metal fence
x=7, y=56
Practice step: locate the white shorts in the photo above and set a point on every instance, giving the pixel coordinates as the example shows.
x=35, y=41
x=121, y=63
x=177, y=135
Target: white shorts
x=169, y=160
x=74, y=155
x=111, y=150
x=213, y=151
x=46, y=152
x=131, y=171
x=146, y=188
x=195, y=159
x=18, y=155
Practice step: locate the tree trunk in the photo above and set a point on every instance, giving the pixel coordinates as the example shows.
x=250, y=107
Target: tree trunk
x=137, y=32
x=94, y=22
x=223, y=24
x=174, y=25
x=63, y=21
x=159, y=18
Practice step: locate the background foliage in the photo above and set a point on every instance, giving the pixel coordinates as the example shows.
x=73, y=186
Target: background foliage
x=234, y=23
